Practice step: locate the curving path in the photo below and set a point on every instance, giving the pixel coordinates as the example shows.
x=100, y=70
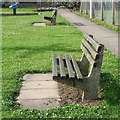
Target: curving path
x=103, y=35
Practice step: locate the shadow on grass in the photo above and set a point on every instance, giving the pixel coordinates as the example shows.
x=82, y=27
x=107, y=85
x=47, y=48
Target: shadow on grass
x=53, y=47
x=111, y=89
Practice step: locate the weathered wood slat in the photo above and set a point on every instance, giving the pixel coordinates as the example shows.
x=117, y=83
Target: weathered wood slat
x=69, y=66
x=77, y=70
x=95, y=44
x=55, y=71
x=61, y=64
x=87, y=54
x=90, y=49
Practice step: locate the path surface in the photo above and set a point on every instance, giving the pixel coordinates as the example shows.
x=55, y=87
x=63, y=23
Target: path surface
x=38, y=91
x=103, y=35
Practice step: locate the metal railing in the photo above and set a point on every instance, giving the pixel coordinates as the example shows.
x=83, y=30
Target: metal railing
x=105, y=11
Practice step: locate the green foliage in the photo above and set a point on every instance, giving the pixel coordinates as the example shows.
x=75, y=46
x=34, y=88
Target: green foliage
x=29, y=49
x=72, y=5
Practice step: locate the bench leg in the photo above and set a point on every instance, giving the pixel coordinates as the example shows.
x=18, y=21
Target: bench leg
x=53, y=21
x=90, y=94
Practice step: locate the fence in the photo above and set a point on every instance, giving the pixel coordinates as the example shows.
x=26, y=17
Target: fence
x=105, y=11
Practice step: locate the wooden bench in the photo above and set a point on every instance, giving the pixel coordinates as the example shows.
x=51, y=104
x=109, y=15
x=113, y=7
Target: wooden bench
x=53, y=18
x=83, y=74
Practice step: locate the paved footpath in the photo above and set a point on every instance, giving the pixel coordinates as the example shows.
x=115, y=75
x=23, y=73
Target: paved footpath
x=103, y=35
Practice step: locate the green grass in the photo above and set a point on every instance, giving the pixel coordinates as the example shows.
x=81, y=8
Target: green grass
x=18, y=10
x=70, y=111
x=28, y=49
x=98, y=22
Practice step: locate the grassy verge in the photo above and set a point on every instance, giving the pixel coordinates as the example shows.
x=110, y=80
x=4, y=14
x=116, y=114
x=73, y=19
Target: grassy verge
x=29, y=49
x=98, y=22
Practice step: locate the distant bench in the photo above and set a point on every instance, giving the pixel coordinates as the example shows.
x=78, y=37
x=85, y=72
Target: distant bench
x=77, y=73
x=53, y=18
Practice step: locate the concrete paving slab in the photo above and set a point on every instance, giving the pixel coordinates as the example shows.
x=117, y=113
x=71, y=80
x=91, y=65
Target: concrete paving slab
x=38, y=94
x=39, y=84
x=39, y=24
x=43, y=77
x=39, y=103
x=38, y=91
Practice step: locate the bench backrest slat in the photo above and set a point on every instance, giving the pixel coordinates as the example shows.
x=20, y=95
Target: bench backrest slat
x=69, y=66
x=92, y=42
x=90, y=49
x=88, y=56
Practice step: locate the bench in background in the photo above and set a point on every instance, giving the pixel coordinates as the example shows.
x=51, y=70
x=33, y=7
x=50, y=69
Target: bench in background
x=83, y=74
x=53, y=18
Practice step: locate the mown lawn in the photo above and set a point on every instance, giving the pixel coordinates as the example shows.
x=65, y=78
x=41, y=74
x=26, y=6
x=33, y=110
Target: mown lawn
x=18, y=10
x=29, y=49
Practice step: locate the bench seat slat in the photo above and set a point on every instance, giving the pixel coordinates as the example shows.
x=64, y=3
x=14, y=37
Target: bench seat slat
x=77, y=70
x=55, y=71
x=87, y=54
x=95, y=44
x=91, y=50
x=61, y=64
x=69, y=66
